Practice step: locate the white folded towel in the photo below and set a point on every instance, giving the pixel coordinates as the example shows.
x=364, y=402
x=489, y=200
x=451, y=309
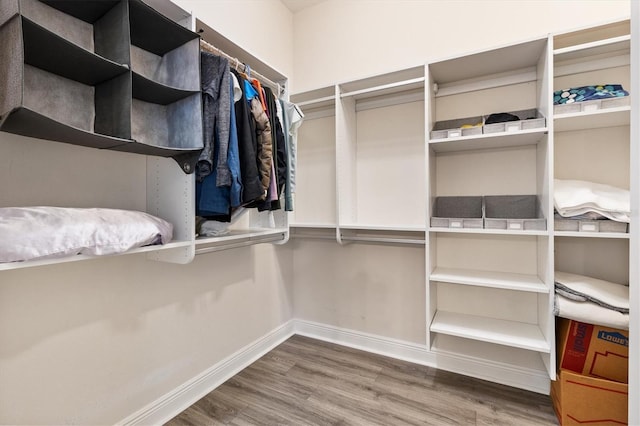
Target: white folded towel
x=577, y=197
x=587, y=289
x=590, y=313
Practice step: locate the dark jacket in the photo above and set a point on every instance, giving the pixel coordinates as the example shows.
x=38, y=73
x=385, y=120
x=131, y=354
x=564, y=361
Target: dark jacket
x=247, y=149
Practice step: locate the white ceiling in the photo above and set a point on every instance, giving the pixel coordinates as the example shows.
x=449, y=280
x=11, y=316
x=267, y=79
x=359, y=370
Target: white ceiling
x=298, y=5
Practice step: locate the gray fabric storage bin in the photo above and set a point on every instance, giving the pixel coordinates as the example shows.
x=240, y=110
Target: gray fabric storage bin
x=79, y=71
x=453, y=128
x=592, y=105
x=529, y=119
x=457, y=212
x=513, y=212
x=580, y=225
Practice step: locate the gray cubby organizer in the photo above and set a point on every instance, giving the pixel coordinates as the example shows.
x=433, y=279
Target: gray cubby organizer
x=581, y=225
x=528, y=119
x=513, y=212
x=112, y=74
x=457, y=212
x=454, y=128
x=593, y=105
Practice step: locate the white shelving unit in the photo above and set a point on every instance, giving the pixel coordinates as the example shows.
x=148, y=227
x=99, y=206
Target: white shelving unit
x=489, y=292
x=490, y=330
x=469, y=269
x=316, y=153
x=372, y=155
x=588, y=143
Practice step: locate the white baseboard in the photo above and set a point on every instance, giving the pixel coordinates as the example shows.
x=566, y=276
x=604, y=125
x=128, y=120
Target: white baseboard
x=168, y=406
x=523, y=378
x=165, y=408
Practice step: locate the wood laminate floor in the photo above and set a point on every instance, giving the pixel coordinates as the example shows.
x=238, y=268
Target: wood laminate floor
x=305, y=381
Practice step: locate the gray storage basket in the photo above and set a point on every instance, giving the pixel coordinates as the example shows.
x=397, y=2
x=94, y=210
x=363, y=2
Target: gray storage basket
x=593, y=105
x=457, y=212
x=529, y=119
x=578, y=225
x=513, y=212
x=453, y=128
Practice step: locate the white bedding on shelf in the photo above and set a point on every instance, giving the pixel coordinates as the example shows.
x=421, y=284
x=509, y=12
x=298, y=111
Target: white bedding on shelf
x=31, y=233
x=577, y=197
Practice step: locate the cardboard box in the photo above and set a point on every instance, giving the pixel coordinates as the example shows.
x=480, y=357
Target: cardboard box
x=579, y=400
x=592, y=350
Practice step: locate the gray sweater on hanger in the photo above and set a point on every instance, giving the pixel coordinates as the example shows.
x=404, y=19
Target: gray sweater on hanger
x=216, y=85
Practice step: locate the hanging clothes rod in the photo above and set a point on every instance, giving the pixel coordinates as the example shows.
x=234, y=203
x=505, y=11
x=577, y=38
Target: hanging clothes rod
x=208, y=47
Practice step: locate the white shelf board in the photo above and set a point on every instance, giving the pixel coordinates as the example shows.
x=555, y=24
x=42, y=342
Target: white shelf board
x=391, y=228
x=491, y=330
x=385, y=89
x=494, y=61
x=317, y=225
x=599, y=47
x=610, y=235
x=600, y=118
x=487, y=231
x=489, y=140
x=80, y=257
x=324, y=102
x=493, y=279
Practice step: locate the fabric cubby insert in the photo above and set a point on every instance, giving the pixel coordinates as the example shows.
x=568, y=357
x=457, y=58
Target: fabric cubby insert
x=457, y=212
x=514, y=212
x=104, y=74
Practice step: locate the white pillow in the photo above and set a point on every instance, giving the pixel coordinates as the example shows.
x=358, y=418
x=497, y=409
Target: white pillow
x=28, y=233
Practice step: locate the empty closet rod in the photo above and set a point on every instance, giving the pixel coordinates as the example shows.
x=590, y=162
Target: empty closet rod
x=250, y=242
x=264, y=80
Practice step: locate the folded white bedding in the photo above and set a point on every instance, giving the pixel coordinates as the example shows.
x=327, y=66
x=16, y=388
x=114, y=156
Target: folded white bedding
x=590, y=313
x=577, y=197
x=29, y=233
x=587, y=289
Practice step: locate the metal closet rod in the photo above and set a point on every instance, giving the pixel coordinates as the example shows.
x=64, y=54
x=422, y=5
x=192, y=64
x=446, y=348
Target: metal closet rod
x=254, y=74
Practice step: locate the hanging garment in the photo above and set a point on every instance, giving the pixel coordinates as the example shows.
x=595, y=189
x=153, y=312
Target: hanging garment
x=265, y=148
x=256, y=84
x=216, y=82
x=280, y=148
x=211, y=199
x=294, y=118
x=247, y=148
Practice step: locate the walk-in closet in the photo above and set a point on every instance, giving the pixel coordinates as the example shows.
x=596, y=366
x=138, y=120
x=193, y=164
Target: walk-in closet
x=319, y=212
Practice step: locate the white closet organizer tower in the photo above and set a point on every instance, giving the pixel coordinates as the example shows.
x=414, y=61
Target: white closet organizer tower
x=315, y=213
x=489, y=291
x=377, y=170
x=42, y=172
x=380, y=173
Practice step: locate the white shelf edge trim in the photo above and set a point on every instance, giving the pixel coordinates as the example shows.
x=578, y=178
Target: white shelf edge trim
x=82, y=257
x=397, y=84
x=604, y=111
x=311, y=102
x=501, y=332
x=610, y=235
x=502, y=280
x=487, y=231
x=598, y=43
x=539, y=130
